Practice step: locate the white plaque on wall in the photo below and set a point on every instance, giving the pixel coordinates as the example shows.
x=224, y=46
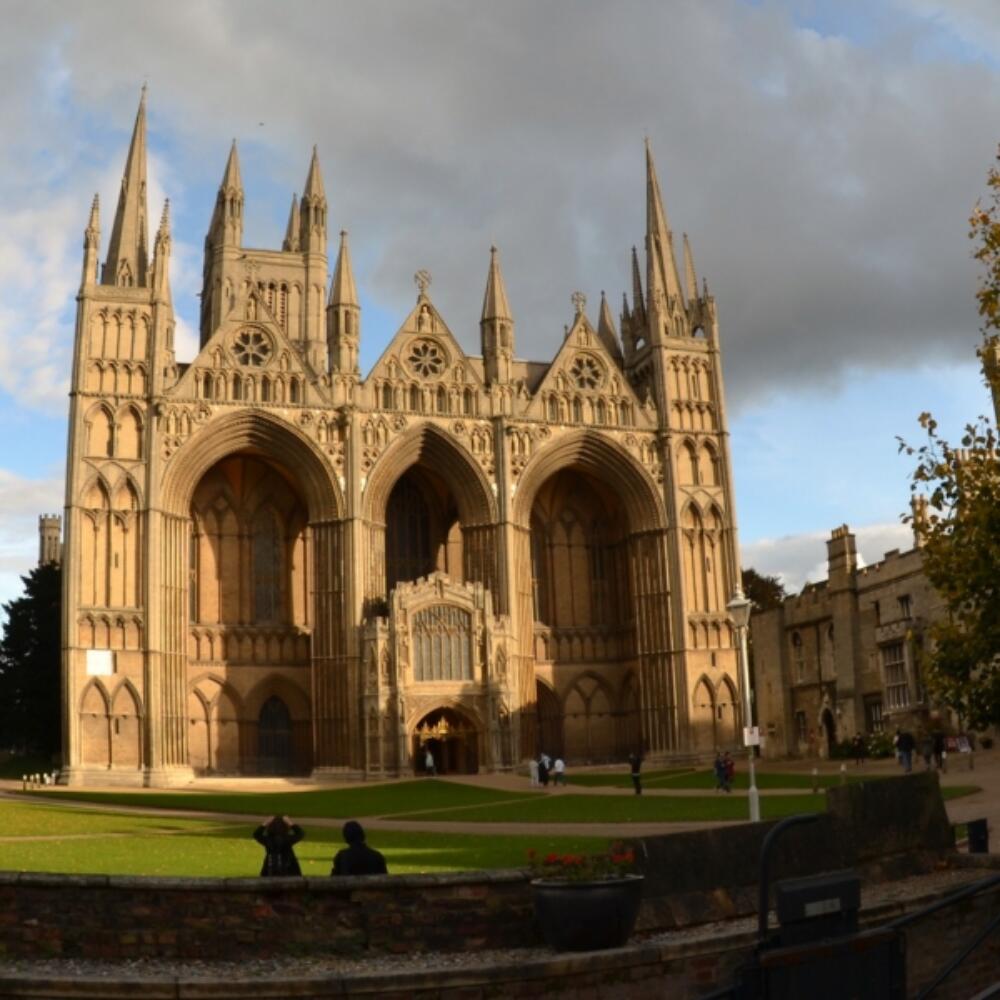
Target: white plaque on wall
x=100, y=662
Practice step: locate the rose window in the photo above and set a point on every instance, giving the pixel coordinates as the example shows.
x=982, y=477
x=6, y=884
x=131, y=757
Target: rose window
x=586, y=372
x=426, y=358
x=252, y=347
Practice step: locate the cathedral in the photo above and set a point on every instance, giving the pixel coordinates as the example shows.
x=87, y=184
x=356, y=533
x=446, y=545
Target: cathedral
x=277, y=564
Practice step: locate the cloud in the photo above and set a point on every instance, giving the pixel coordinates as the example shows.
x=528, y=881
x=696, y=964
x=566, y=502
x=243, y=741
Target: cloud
x=800, y=559
x=825, y=182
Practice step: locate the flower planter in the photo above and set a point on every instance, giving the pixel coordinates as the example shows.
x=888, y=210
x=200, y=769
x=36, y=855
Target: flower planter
x=586, y=916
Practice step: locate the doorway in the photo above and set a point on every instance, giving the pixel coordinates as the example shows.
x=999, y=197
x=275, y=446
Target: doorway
x=274, y=738
x=451, y=738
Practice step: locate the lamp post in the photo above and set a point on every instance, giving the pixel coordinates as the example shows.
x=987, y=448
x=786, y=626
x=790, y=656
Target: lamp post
x=739, y=611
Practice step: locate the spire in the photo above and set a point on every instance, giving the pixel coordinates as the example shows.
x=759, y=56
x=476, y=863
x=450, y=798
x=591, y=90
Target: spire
x=638, y=302
x=662, y=279
x=496, y=327
x=690, y=278
x=495, y=304
x=606, y=332
x=291, y=240
x=226, y=227
x=128, y=254
x=342, y=289
x=312, y=226
x=92, y=243
x=161, y=255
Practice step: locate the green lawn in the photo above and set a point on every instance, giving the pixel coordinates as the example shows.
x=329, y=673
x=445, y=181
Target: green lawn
x=339, y=803
x=78, y=841
x=706, y=779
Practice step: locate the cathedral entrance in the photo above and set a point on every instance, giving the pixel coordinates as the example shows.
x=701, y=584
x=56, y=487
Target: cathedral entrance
x=274, y=738
x=451, y=738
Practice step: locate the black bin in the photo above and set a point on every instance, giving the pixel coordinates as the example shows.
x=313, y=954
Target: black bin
x=979, y=836
x=821, y=906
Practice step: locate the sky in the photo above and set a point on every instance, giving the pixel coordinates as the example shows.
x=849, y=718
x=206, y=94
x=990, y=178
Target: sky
x=823, y=157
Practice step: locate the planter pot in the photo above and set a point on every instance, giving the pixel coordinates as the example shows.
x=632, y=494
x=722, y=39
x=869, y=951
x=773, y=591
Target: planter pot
x=587, y=916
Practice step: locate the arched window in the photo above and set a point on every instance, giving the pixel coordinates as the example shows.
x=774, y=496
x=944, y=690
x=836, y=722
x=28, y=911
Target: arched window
x=386, y=396
x=266, y=569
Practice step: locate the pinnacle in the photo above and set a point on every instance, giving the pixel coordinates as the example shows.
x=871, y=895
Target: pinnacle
x=343, y=291
x=291, y=240
x=231, y=179
x=495, y=305
x=314, y=180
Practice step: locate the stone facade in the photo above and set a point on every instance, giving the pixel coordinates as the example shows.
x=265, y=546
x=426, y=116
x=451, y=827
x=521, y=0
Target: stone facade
x=276, y=565
x=843, y=656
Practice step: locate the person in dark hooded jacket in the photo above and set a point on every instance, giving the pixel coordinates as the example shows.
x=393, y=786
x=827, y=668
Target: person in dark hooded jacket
x=278, y=836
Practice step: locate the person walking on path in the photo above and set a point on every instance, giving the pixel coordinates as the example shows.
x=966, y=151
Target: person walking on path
x=719, y=767
x=429, y=766
x=357, y=858
x=730, y=766
x=926, y=749
x=533, y=772
x=543, y=771
x=860, y=750
x=559, y=772
x=278, y=835
x=635, y=768
x=938, y=745
x=906, y=745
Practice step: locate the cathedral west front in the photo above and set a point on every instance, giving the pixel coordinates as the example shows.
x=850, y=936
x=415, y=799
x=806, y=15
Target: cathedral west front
x=277, y=564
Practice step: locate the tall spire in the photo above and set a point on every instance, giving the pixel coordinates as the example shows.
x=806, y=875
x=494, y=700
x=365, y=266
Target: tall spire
x=343, y=314
x=226, y=227
x=312, y=229
x=496, y=327
x=291, y=240
x=690, y=278
x=128, y=254
x=606, y=332
x=495, y=304
x=662, y=280
x=92, y=243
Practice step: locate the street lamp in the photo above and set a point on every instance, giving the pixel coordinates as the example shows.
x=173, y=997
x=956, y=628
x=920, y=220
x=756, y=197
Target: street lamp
x=739, y=611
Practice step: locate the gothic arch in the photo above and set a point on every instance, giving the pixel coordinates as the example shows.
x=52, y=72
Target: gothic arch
x=128, y=432
x=292, y=695
x=99, y=424
x=589, y=710
x=702, y=718
x=593, y=453
x=265, y=435
x=427, y=443
x=468, y=712
x=126, y=726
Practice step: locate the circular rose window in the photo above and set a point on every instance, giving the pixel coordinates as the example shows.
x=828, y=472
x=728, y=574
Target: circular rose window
x=252, y=347
x=426, y=359
x=586, y=371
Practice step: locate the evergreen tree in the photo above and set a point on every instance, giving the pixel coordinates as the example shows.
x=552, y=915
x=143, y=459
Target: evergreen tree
x=766, y=592
x=30, y=657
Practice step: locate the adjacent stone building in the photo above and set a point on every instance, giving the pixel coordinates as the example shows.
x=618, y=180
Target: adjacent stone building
x=842, y=657
x=276, y=564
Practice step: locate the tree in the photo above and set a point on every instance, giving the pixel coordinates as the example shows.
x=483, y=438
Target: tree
x=30, y=657
x=956, y=511
x=766, y=592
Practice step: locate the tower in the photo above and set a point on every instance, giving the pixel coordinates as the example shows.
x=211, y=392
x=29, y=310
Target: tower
x=49, y=539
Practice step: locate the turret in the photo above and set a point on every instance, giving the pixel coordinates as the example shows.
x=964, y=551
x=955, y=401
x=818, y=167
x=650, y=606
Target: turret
x=343, y=314
x=161, y=258
x=49, y=539
x=606, y=332
x=91, y=245
x=496, y=325
x=291, y=244
x=128, y=255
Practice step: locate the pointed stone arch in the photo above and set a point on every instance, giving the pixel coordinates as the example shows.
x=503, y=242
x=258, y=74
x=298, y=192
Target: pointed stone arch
x=128, y=432
x=589, y=719
x=126, y=727
x=430, y=445
x=99, y=427
x=94, y=711
x=256, y=432
x=595, y=454
x=727, y=712
x=702, y=715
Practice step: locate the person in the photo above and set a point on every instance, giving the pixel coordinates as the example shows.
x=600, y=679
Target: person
x=278, y=835
x=906, y=746
x=533, y=772
x=719, y=767
x=543, y=771
x=357, y=858
x=559, y=772
x=938, y=747
x=635, y=767
x=730, y=766
x=860, y=750
x=547, y=761
x=429, y=766
x=895, y=745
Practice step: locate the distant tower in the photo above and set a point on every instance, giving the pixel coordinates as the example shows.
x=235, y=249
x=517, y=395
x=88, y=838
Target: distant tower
x=49, y=539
